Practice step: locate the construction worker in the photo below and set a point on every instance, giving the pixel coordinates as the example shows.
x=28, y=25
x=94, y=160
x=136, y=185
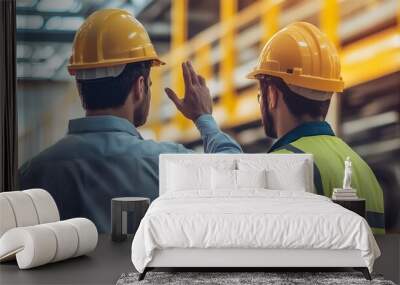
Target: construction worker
x=298, y=72
x=103, y=154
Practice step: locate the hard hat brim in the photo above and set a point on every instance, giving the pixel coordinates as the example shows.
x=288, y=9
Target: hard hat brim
x=252, y=75
x=107, y=63
x=305, y=81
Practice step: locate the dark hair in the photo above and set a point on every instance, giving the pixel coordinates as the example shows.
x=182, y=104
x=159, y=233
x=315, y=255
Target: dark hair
x=110, y=92
x=298, y=105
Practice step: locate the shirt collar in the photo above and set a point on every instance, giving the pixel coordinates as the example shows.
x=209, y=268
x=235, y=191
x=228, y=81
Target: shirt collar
x=316, y=128
x=102, y=124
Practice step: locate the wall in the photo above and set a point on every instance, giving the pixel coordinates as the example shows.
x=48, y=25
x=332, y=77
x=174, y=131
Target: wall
x=44, y=108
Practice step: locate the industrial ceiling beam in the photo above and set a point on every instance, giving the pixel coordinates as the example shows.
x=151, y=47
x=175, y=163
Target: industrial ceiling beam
x=25, y=35
x=30, y=11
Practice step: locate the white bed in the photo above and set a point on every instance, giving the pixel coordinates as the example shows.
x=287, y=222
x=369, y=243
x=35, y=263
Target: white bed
x=248, y=227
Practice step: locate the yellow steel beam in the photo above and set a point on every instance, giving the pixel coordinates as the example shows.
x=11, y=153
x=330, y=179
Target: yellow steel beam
x=203, y=61
x=371, y=58
x=227, y=67
x=329, y=20
x=270, y=19
x=178, y=39
x=213, y=33
x=398, y=14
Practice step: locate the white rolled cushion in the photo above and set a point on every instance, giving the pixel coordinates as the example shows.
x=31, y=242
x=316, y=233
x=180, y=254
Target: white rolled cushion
x=45, y=205
x=40, y=244
x=87, y=235
x=223, y=179
x=251, y=178
x=23, y=208
x=67, y=240
x=7, y=218
x=188, y=177
x=33, y=246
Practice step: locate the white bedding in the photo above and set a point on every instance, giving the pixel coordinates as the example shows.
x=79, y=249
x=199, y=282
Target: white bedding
x=252, y=218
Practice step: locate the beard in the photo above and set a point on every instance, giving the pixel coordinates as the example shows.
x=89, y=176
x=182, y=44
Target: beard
x=141, y=113
x=268, y=121
x=139, y=117
x=268, y=124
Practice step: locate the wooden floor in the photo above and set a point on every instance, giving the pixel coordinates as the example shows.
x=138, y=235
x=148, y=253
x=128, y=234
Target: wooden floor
x=389, y=262
x=106, y=264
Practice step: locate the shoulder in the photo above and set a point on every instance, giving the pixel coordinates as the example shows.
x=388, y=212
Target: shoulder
x=330, y=149
x=321, y=145
x=65, y=149
x=151, y=147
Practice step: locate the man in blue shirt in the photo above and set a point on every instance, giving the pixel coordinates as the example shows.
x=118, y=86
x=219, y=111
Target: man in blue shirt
x=103, y=155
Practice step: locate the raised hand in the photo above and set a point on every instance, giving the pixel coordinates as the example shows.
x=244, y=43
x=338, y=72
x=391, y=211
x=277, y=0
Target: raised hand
x=197, y=100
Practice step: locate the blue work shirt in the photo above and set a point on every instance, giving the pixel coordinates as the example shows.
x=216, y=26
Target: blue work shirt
x=103, y=157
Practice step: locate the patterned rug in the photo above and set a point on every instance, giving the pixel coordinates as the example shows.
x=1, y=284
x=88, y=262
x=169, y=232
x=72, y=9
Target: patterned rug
x=242, y=278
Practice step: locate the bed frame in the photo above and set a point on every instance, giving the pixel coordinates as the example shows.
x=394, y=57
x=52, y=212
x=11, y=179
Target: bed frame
x=242, y=259
x=248, y=259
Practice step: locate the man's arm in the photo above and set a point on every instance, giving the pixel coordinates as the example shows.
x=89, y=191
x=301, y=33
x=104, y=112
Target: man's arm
x=196, y=105
x=214, y=140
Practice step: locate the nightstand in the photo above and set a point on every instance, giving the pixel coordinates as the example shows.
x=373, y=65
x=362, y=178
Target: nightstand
x=119, y=215
x=355, y=205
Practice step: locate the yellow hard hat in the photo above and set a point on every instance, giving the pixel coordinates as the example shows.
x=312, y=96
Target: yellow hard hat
x=111, y=37
x=303, y=56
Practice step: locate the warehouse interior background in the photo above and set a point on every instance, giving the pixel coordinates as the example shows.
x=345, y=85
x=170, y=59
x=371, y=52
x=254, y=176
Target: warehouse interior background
x=223, y=39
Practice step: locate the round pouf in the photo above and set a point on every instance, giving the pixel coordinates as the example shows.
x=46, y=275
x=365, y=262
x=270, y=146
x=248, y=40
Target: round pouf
x=120, y=207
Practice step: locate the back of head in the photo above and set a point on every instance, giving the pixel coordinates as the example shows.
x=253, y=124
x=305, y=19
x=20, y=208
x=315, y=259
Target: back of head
x=297, y=99
x=111, y=91
x=304, y=65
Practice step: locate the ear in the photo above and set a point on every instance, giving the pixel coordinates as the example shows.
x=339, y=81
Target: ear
x=138, y=90
x=273, y=97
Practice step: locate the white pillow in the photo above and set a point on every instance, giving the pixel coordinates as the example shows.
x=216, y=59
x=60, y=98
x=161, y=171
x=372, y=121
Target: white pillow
x=228, y=179
x=287, y=174
x=293, y=179
x=188, y=177
x=251, y=178
x=223, y=179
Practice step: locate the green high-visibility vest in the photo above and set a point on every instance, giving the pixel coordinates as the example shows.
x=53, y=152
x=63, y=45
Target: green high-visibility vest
x=329, y=154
